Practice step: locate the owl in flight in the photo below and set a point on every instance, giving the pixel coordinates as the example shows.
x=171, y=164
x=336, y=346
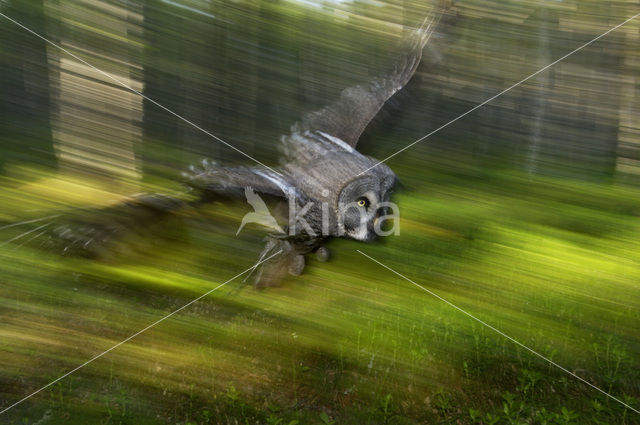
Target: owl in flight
x=334, y=190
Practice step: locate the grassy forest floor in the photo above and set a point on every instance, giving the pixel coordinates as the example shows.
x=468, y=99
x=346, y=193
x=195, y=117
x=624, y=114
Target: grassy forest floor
x=552, y=263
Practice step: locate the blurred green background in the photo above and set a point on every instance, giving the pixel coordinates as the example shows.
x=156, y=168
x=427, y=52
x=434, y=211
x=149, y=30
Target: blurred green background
x=523, y=213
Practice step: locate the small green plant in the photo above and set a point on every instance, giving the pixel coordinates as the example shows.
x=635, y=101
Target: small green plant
x=386, y=408
x=206, y=414
x=544, y=417
x=475, y=415
x=527, y=382
x=490, y=419
x=443, y=402
x=566, y=417
x=510, y=408
x=611, y=360
x=326, y=420
x=465, y=368
x=232, y=394
x=273, y=419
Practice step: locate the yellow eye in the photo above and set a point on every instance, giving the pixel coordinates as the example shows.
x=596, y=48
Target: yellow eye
x=363, y=202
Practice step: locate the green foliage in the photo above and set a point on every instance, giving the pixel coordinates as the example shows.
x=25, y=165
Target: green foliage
x=326, y=420
x=393, y=357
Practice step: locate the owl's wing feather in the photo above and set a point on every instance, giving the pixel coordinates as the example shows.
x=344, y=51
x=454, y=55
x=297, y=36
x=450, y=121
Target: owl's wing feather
x=348, y=117
x=88, y=231
x=214, y=181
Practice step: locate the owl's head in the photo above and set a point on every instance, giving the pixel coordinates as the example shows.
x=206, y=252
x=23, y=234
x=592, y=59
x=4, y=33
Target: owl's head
x=350, y=195
x=364, y=203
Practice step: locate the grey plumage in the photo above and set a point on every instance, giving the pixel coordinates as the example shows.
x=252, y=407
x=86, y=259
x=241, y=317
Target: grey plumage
x=320, y=167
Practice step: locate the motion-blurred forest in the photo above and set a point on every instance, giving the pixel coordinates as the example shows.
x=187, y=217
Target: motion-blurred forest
x=247, y=70
x=523, y=212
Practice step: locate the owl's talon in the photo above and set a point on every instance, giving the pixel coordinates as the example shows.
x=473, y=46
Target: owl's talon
x=323, y=254
x=297, y=265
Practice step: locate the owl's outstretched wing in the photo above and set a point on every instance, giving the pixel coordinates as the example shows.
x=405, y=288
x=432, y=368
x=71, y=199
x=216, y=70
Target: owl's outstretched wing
x=88, y=231
x=214, y=182
x=344, y=120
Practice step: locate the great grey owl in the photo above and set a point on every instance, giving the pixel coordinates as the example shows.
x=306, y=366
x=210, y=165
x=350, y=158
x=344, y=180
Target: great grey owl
x=341, y=191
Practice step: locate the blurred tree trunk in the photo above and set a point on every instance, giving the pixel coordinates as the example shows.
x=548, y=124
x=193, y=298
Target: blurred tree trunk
x=540, y=93
x=25, y=132
x=162, y=75
x=628, y=160
x=573, y=128
x=244, y=88
x=96, y=121
x=203, y=89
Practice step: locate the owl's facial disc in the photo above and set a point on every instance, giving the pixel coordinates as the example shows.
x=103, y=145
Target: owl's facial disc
x=360, y=206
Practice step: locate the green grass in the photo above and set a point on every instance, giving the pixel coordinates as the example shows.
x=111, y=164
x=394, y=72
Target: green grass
x=552, y=263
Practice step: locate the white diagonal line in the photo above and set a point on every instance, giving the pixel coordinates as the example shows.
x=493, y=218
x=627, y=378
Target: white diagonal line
x=24, y=234
x=29, y=221
x=137, y=333
x=500, y=332
x=500, y=94
x=138, y=93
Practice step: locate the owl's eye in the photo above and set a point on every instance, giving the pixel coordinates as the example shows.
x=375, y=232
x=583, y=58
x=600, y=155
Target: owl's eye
x=363, y=202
